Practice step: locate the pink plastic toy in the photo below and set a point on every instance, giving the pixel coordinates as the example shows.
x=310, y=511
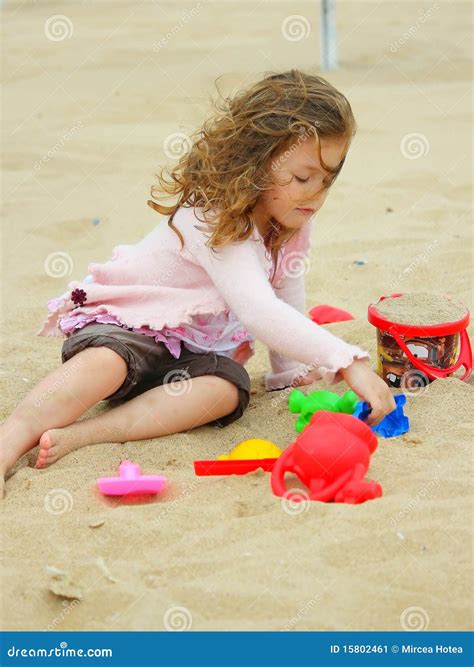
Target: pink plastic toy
x=331, y=456
x=131, y=481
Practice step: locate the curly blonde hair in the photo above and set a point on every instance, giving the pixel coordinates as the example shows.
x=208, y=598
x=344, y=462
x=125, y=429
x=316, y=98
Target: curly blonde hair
x=227, y=166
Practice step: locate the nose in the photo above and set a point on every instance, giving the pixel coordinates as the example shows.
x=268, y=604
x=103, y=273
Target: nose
x=316, y=201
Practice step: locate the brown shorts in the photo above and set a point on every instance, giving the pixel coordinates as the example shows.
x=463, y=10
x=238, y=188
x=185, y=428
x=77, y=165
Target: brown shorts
x=151, y=364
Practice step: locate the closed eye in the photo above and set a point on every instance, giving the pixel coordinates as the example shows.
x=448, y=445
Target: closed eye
x=302, y=180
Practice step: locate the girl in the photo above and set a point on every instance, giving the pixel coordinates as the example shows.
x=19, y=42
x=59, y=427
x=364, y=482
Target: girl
x=169, y=323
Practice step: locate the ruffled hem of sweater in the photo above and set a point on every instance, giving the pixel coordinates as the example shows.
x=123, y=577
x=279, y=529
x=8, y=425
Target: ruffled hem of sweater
x=275, y=381
x=331, y=374
x=51, y=324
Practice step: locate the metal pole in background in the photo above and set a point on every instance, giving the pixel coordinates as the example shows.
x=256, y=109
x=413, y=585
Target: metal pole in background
x=328, y=35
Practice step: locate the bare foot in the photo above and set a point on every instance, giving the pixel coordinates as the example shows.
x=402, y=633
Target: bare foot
x=54, y=444
x=17, y=436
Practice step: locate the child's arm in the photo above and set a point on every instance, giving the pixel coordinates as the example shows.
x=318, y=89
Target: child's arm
x=238, y=275
x=284, y=371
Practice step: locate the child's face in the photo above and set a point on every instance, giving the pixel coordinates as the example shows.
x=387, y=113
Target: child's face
x=298, y=191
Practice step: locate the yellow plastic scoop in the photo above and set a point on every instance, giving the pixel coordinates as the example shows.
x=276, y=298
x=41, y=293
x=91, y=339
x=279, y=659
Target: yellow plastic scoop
x=248, y=450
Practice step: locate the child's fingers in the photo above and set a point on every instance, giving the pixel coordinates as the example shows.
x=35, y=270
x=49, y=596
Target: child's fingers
x=302, y=382
x=381, y=406
x=377, y=413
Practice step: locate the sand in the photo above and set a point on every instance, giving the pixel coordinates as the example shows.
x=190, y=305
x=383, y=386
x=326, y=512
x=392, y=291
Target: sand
x=221, y=553
x=422, y=308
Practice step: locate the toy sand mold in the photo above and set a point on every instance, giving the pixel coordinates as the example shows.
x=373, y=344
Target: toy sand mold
x=420, y=337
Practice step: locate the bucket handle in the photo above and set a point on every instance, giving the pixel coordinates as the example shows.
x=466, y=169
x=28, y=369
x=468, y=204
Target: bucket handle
x=464, y=359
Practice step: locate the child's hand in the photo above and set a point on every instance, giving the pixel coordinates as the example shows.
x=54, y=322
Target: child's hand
x=371, y=388
x=304, y=380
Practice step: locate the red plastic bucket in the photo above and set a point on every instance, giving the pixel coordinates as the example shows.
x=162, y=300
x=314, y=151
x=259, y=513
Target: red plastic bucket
x=411, y=355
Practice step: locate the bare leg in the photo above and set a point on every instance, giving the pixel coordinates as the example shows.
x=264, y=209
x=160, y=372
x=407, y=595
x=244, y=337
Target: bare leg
x=59, y=399
x=159, y=411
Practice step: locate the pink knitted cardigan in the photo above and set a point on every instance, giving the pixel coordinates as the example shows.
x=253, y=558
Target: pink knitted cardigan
x=156, y=284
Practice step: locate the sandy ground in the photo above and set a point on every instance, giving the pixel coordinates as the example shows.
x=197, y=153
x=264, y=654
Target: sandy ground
x=221, y=553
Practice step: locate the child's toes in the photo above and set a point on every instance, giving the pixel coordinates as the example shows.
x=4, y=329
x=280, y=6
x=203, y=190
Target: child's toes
x=46, y=442
x=52, y=455
x=40, y=462
x=45, y=445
